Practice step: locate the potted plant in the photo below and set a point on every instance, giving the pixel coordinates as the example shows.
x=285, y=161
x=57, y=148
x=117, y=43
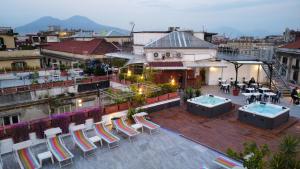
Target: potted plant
x=235, y=91
x=198, y=92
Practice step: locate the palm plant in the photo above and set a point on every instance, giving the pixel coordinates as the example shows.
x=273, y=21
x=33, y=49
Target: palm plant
x=288, y=155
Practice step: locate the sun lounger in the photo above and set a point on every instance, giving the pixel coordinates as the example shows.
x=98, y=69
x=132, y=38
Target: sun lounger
x=102, y=132
x=140, y=119
x=227, y=163
x=57, y=147
x=121, y=126
x=24, y=156
x=82, y=141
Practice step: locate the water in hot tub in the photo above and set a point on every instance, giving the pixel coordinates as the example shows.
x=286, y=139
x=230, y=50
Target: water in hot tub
x=264, y=108
x=208, y=100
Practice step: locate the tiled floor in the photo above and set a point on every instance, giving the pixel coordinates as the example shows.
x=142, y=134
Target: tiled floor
x=164, y=150
x=222, y=132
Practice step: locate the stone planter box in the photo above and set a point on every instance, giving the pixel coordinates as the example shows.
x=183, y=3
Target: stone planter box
x=151, y=100
x=163, y=97
x=123, y=106
x=173, y=95
x=35, y=86
x=58, y=84
x=111, y=109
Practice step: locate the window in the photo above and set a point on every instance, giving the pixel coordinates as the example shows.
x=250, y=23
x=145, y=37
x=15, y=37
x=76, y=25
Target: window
x=284, y=60
x=8, y=120
x=295, y=75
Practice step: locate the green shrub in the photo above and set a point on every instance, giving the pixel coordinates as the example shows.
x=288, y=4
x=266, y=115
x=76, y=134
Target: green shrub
x=198, y=92
x=167, y=88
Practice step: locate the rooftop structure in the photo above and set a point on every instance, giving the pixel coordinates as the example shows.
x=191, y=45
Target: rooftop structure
x=179, y=40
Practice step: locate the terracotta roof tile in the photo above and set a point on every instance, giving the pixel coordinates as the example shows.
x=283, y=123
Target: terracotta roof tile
x=293, y=45
x=95, y=46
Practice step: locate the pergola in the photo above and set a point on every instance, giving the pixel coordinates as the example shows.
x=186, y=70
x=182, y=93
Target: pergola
x=239, y=60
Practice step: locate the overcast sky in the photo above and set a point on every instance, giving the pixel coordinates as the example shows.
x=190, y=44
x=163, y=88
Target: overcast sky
x=244, y=15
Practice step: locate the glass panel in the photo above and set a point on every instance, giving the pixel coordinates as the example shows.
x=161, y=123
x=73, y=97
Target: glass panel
x=6, y=120
x=15, y=119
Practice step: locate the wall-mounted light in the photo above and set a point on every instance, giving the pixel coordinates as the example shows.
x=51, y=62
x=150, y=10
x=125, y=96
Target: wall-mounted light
x=79, y=101
x=142, y=77
x=129, y=73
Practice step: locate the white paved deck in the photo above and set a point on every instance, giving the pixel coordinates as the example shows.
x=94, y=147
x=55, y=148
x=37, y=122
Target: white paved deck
x=164, y=150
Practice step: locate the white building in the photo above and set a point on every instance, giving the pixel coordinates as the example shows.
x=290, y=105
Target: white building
x=185, y=56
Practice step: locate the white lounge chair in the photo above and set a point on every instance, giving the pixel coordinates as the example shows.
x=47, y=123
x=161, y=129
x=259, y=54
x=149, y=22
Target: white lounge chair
x=140, y=119
x=24, y=155
x=102, y=132
x=82, y=141
x=121, y=126
x=57, y=147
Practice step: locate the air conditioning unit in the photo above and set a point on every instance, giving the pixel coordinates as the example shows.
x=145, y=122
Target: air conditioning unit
x=156, y=55
x=178, y=55
x=168, y=54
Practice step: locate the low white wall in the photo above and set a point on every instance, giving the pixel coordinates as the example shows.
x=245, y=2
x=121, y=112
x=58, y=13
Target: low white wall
x=246, y=71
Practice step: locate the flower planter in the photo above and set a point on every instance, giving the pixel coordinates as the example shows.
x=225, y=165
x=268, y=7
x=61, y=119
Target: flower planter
x=39, y=126
x=235, y=92
x=151, y=100
x=57, y=84
x=123, y=106
x=173, y=95
x=96, y=114
x=111, y=109
x=78, y=117
x=19, y=132
x=163, y=97
x=62, y=121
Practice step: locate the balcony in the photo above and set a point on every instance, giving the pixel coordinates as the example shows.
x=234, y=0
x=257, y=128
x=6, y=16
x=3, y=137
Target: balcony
x=295, y=67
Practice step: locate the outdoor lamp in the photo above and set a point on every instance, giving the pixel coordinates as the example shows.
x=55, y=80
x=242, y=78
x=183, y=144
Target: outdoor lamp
x=142, y=77
x=129, y=73
x=140, y=91
x=173, y=82
x=79, y=101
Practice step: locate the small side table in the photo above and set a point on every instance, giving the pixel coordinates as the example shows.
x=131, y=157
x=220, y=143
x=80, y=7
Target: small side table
x=95, y=139
x=138, y=126
x=44, y=156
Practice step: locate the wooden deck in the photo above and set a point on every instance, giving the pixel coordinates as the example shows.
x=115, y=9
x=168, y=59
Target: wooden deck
x=222, y=132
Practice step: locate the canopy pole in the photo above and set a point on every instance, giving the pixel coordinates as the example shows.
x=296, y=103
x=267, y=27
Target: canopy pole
x=236, y=67
x=271, y=74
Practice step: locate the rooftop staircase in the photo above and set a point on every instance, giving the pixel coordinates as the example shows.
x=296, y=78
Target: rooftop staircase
x=278, y=81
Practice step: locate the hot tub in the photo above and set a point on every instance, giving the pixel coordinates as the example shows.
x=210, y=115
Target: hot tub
x=209, y=105
x=264, y=115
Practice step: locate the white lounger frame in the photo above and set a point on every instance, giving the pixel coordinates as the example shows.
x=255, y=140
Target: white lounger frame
x=52, y=132
x=124, y=132
x=110, y=144
x=156, y=130
x=19, y=146
x=82, y=128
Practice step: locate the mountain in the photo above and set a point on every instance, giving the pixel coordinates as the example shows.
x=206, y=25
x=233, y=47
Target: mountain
x=74, y=22
x=233, y=33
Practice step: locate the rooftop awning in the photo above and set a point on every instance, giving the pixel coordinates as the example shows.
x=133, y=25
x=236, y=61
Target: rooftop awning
x=248, y=62
x=120, y=55
x=205, y=64
x=167, y=65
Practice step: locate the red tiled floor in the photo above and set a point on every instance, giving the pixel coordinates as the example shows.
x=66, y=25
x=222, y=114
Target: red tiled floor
x=222, y=132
